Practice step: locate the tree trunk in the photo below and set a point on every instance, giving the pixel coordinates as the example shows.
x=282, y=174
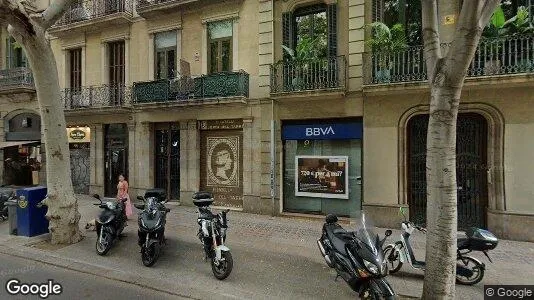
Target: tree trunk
x=62, y=204
x=441, y=193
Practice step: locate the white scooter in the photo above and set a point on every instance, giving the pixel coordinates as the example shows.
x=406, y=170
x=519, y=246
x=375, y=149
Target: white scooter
x=469, y=270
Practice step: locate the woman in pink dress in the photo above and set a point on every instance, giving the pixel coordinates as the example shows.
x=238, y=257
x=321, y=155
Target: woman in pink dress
x=122, y=193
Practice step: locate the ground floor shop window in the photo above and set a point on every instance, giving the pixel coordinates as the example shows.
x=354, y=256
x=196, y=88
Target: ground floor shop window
x=322, y=168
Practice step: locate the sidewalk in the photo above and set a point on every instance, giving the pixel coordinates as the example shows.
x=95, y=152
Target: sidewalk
x=274, y=257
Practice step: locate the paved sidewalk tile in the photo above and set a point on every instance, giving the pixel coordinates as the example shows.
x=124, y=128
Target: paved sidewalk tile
x=274, y=257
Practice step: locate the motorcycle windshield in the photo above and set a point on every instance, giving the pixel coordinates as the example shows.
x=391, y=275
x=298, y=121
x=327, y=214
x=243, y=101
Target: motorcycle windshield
x=364, y=230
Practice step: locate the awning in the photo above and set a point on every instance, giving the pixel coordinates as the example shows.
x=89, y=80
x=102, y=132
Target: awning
x=17, y=143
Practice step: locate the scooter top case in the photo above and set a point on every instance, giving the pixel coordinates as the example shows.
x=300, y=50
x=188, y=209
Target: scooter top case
x=202, y=199
x=159, y=194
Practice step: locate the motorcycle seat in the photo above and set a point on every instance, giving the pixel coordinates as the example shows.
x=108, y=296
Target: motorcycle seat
x=337, y=235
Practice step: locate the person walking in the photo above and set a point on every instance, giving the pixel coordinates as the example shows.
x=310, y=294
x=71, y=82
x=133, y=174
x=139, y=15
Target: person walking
x=122, y=193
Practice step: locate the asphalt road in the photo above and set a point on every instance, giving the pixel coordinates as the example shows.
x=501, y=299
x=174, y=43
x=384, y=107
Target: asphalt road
x=75, y=285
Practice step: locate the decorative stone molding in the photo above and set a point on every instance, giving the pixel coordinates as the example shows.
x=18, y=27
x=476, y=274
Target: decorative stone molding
x=495, y=151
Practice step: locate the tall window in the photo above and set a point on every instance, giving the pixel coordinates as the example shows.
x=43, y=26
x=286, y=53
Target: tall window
x=311, y=31
x=75, y=59
x=404, y=12
x=15, y=57
x=116, y=63
x=220, y=46
x=116, y=72
x=165, y=49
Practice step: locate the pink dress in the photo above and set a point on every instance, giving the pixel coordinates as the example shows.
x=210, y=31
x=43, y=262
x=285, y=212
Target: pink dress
x=122, y=193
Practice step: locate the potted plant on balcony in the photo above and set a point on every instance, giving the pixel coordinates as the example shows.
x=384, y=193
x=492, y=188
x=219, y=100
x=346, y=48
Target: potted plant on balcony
x=499, y=29
x=299, y=61
x=385, y=42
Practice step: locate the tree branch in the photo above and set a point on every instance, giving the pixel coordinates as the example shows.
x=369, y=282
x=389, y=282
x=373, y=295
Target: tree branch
x=429, y=11
x=14, y=14
x=53, y=13
x=473, y=18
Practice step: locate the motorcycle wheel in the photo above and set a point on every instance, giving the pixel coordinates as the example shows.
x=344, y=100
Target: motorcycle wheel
x=225, y=266
x=475, y=267
x=103, y=247
x=392, y=254
x=149, y=255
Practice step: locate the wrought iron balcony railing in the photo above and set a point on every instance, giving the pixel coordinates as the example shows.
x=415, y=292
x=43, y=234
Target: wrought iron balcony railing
x=104, y=96
x=493, y=57
x=16, y=78
x=184, y=88
x=313, y=75
x=93, y=9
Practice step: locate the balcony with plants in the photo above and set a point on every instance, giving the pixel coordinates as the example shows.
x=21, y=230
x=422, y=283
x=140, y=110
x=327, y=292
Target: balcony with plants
x=189, y=89
x=397, y=55
x=96, y=97
x=97, y=14
x=310, y=62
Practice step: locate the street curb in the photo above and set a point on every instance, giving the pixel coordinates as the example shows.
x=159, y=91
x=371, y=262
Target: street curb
x=173, y=289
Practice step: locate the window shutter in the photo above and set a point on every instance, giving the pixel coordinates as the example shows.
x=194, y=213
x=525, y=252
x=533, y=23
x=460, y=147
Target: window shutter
x=331, y=15
x=378, y=10
x=287, y=30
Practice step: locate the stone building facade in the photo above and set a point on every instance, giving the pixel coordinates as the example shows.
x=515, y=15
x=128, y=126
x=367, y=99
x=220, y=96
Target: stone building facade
x=182, y=95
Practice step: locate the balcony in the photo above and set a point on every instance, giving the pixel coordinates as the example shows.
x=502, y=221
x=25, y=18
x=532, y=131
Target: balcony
x=16, y=80
x=326, y=75
x=16, y=85
x=151, y=8
x=493, y=58
x=185, y=90
x=96, y=97
x=97, y=14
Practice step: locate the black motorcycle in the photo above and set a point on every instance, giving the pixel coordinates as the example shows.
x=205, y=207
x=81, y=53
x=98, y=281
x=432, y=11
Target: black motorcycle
x=152, y=225
x=110, y=223
x=357, y=256
x=212, y=234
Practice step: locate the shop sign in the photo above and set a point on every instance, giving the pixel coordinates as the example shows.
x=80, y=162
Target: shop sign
x=334, y=131
x=221, y=124
x=79, y=135
x=322, y=176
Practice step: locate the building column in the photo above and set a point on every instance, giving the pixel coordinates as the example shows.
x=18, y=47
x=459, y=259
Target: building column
x=189, y=161
x=97, y=160
x=143, y=162
x=2, y=138
x=132, y=172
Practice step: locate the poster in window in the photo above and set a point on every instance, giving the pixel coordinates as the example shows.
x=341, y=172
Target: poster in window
x=322, y=176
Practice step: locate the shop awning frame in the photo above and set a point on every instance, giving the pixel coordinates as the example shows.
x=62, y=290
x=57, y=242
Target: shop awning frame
x=16, y=143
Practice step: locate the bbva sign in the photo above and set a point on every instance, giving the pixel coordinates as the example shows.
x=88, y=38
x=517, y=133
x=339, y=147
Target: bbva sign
x=320, y=131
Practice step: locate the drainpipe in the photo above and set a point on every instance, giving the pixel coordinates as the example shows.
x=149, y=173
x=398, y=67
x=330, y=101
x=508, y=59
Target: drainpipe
x=273, y=159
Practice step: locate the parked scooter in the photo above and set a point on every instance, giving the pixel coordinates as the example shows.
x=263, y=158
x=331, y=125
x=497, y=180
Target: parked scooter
x=152, y=222
x=357, y=256
x=3, y=207
x=469, y=270
x=212, y=234
x=110, y=223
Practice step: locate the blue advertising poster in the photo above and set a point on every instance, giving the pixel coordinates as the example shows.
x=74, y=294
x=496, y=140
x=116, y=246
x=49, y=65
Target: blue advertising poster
x=333, y=131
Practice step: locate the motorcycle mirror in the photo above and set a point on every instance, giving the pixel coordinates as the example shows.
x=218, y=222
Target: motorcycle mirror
x=140, y=198
x=139, y=206
x=96, y=196
x=167, y=209
x=388, y=232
